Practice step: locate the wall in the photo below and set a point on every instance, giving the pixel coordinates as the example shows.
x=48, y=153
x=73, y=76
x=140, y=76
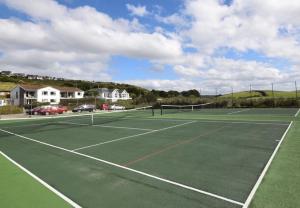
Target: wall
x=47, y=98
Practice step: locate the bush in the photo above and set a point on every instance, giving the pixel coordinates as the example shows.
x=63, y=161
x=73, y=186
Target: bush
x=10, y=109
x=72, y=103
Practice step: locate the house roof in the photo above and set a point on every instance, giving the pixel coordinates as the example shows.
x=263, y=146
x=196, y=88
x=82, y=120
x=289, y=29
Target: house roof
x=68, y=89
x=30, y=87
x=105, y=90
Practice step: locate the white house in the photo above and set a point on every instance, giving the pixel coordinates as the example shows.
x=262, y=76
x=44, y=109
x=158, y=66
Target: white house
x=3, y=102
x=113, y=94
x=28, y=94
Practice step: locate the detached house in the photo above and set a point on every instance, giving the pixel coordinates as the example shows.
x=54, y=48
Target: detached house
x=113, y=94
x=27, y=94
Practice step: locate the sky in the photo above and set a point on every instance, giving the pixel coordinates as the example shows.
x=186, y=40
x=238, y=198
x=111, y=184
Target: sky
x=206, y=45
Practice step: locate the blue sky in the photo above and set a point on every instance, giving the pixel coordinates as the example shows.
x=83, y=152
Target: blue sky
x=170, y=44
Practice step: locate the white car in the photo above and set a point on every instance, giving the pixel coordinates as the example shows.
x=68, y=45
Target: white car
x=116, y=107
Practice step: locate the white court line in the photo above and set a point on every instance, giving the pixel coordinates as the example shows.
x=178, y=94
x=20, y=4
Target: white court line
x=263, y=173
x=29, y=125
x=297, y=113
x=131, y=170
x=106, y=126
x=244, y=122
x=72, y=203
x=225, y=121
x=128, y=137
x=238, y=111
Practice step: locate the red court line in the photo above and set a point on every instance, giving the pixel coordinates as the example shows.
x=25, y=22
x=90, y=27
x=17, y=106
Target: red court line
x=169, y=147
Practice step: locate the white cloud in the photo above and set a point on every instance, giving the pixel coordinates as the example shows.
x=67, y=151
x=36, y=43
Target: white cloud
x=80, y=39
x=137, y=10
x=165, y=84
x=187, y=71
x=245, y=25
x=79, y=42
x=174, y=19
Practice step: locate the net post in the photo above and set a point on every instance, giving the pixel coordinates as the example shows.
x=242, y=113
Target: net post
x=92, y=119
x=152, y=109
x=161, y=110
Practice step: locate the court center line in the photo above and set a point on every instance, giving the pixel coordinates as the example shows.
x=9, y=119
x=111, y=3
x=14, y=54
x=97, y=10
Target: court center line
x=297, y=113
x=106, y=126
x=65, y=198
x=130, y=169
x=238, y=111
x=263, y=173
x=132, y=136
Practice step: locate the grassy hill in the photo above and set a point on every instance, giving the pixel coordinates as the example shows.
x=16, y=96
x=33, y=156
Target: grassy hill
x=262, y=93
x=7, y=83
x=7, y=86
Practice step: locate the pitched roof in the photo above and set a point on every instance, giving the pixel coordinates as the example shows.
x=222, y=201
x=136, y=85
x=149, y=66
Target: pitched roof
x=105, y=90
x=68, y=89
x=30, y=87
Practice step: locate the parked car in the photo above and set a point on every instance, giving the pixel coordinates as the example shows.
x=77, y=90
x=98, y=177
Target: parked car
x=85, y=107
x=61, y=109
x=116, y=107
x=49, y=110
x=104, y=106
x=34, y=111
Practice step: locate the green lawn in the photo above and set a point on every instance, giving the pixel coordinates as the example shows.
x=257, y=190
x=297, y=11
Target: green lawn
x=208, y=138
x=18, y=189
x=6, y=86
x=281, y=185
x=256, y=94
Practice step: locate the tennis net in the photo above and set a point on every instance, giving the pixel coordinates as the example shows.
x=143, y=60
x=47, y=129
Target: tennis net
x=166, y=109
x=38, y=124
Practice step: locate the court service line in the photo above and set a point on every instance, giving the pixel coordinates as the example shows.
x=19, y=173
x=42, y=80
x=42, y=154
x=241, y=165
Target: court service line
x=72, y=203
x=128, y=137
x=131, y=170
x=243, y=122
x=297, y=113
x=234, y=112
x=263, y=173
x=106, y=126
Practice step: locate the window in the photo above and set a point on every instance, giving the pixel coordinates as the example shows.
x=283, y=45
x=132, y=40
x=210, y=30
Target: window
x=17, y=95
x=52, y=101
x=45, y=93
x=52, y=93
x=78, y=93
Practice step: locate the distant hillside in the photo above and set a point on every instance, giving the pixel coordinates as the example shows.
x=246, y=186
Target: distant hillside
x=6, y=86
x=10, y=82
x=262, y=93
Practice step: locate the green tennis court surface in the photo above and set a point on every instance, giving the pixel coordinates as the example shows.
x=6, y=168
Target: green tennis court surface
x=182, y=159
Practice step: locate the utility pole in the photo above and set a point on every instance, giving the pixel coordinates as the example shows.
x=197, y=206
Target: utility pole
x=216, y=97
x=273, y=95
x=296, y=91
x=232, y=97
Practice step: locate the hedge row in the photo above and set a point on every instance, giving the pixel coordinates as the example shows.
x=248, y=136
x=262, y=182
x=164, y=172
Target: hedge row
x=10, y=109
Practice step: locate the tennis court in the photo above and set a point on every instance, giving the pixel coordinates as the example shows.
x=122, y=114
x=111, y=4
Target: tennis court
x=135, y=159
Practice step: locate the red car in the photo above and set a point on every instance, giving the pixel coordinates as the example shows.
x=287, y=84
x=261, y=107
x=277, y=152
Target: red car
x=61, y=109
x=34, y=111
x=49, y=110
x=104, y=106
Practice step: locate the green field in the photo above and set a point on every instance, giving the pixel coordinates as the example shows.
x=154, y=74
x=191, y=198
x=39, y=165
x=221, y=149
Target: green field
x=6, y=86
x=208, y=158
x=260, y=94
x=18, y=189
